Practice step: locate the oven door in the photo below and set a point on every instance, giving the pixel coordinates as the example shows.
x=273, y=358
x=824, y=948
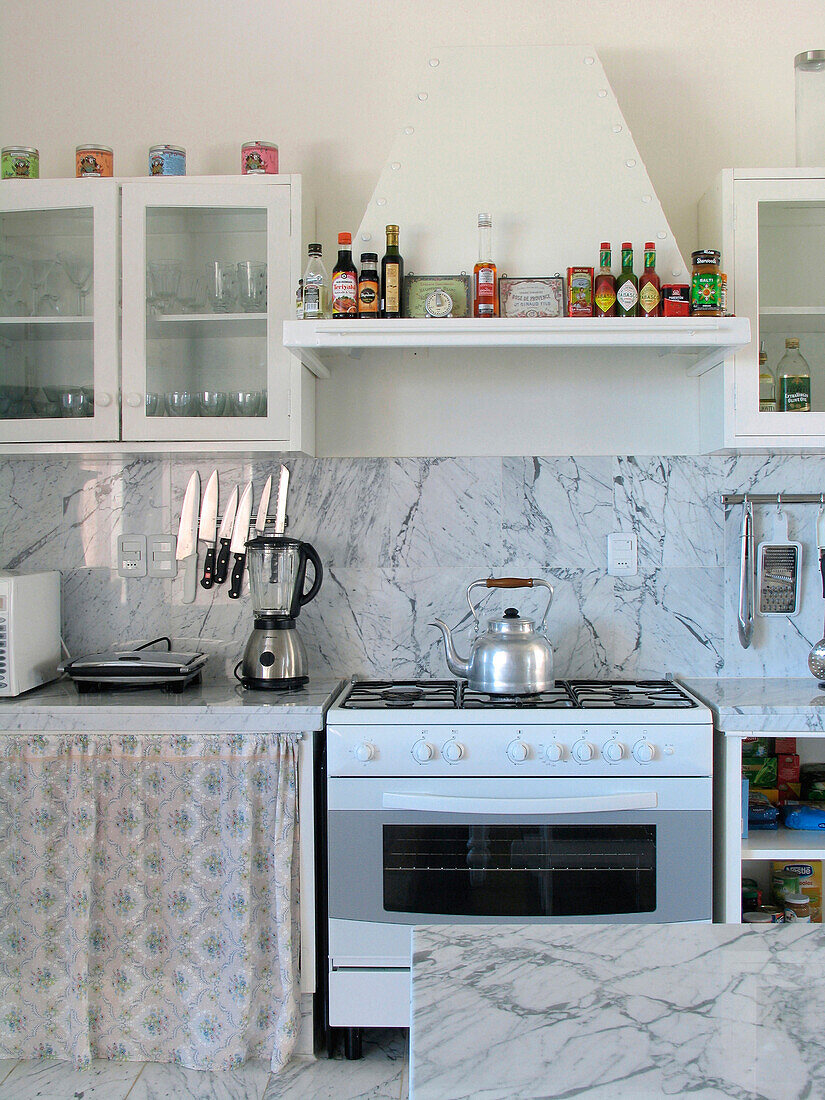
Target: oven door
x=519, y=850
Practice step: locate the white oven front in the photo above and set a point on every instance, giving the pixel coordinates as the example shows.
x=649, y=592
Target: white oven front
x=406, y=852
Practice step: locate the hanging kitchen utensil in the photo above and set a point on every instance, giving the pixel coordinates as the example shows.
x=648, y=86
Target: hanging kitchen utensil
x=187, y=548
x=207, y=529
x=240, y=534
x=280, y=506
x=816, y=658
x=263, y=507
x=511, y=657
x=225, y=536
x=779, y=562
x=746, y=575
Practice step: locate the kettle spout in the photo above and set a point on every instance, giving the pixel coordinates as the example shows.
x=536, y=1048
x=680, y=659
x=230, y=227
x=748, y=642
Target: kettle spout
x=459, y=666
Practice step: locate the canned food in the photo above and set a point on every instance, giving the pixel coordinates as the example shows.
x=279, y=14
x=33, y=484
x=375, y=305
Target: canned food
x=259, y=158
x=675, y=300
x=580, y=292
x=19, y=163
x=93, y=161
x=167, y=160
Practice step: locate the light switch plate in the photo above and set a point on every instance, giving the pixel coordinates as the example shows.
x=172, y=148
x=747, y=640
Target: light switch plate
x=131, y=555
x=161, y=560
x=622, y=554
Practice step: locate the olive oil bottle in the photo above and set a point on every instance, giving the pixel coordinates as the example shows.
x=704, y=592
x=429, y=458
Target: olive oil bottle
x=392, y=276
x=794, y=378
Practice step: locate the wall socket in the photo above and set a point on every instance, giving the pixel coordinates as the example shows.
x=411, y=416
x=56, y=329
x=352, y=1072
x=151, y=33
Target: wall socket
x=622, y=554
x=131, y=555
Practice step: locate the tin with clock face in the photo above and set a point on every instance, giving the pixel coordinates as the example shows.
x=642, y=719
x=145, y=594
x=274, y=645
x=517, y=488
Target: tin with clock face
x=436, y=296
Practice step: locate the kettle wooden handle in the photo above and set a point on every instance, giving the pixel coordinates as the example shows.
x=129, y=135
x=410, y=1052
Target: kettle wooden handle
x=509, y=582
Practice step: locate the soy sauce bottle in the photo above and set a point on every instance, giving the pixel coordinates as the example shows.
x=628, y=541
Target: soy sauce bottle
x=344, y=281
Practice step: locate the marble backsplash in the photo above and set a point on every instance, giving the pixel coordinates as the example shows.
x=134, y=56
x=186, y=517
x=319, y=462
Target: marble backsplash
x=400, y=540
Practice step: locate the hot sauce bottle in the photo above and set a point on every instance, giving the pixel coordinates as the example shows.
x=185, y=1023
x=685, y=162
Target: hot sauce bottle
x=484, y=273
x=627, y=285
x=650, y=293
x=604, y=290
x=344, y=281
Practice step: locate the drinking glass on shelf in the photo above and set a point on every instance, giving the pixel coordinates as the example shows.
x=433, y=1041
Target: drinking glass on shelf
x=165, y=281
x=181, y=403
x=79, y=273
x=76, y=402
x=252, y=286
x=43, y=303
x=245, y=402
x=155, y=404
x=192, y=293
x=11, y=282
x=222, y=286
x=211, y=403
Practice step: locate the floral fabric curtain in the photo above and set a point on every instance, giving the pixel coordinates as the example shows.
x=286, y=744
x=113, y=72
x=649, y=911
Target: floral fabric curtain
x=149, y=897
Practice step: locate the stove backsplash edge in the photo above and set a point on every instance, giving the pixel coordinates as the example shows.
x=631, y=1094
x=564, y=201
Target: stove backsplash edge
x=400, y=540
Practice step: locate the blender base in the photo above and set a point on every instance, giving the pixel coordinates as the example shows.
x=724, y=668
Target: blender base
x=255, y=683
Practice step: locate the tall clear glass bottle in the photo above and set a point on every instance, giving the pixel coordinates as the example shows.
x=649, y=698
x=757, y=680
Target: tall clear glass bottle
x=316, y=286
x=767, y=385
x=794, y=379
x=484, y=273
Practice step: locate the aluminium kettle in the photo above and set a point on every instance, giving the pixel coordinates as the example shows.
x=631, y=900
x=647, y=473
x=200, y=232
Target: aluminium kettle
x=511, y=657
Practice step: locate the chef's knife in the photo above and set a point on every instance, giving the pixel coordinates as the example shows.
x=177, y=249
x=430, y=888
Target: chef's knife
x=208, y=528
x=280, y=507
x=746, y=595
x=240, y=534
x=187, y=548
x=820, y=543
x=263, y=507
x=225, y=536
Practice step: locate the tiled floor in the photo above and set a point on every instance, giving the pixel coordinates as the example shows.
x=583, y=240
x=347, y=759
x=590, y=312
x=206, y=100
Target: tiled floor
x=380, y=1075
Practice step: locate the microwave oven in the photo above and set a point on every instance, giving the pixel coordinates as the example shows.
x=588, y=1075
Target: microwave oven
x=29, y=630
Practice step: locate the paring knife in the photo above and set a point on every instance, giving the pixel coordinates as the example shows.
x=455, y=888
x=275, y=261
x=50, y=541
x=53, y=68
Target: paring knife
x=225, y=536
x=240, y=533
x=263, y=507
x=280, y=507
x=208, y=528
x=187, y=548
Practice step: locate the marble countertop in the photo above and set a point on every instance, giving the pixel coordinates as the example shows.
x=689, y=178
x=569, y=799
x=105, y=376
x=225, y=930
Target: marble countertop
x=743, y=704
x=215, y=706
x=612, y=1012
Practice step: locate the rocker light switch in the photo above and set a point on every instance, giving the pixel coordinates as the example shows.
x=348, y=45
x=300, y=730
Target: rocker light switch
x=622, y=554
x=131, y=555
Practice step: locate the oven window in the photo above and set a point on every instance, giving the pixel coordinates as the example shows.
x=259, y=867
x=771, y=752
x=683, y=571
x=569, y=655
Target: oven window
x=520, y=870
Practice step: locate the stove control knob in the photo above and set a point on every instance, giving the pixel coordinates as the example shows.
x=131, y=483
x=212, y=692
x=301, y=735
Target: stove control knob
x=582, y=751
x=422, y=751
x=364, y=752
x=518, y=751
x=613, y=752
x=643, y=752
x=453, y=752
x=554, y=752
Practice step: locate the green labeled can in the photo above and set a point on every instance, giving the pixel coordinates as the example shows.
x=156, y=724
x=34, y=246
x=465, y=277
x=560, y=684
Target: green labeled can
x=19, y=162
x=706, y=283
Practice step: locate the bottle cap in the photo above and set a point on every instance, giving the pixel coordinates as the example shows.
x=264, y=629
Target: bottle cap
x=345, y=238
x=626, y=245
x=649, y=245
x=392, y=228
x=485, y=221
x=369, y=257
x=792, y=342
x=315, y=250
x=604, y=245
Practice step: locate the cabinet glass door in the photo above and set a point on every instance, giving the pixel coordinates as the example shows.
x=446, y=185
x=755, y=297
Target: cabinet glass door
x=207, y=284
x=58, y=319
x=780, y=243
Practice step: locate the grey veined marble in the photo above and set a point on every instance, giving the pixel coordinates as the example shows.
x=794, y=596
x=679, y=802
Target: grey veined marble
x=400, y=540
x=618, y=1012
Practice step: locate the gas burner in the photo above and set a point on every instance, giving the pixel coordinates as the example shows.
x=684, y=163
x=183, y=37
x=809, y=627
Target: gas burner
x=402, y=697
x=629, y=694
x=556, y=697
x=401, y=694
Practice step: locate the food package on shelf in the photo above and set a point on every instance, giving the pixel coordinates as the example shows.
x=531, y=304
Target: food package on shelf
x=784, y=744
x=756, y=748
x=809, y=874
x=812, y=782
x=761, y=773
x=761, y=813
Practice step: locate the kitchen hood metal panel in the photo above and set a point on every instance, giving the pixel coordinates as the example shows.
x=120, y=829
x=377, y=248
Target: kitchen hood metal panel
x=536, y=137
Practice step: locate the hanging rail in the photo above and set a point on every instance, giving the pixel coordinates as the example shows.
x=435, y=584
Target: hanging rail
x=773, y=498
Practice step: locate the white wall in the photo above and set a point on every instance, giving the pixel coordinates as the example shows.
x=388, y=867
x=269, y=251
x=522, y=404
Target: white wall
x=702, y=86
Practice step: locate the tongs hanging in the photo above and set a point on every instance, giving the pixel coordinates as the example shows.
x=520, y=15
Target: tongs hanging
x=746, y=609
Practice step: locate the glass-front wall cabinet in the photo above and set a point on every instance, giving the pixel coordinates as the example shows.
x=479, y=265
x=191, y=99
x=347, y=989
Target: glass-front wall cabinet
x=58, y=311
x=207, y=283
x=779, y=242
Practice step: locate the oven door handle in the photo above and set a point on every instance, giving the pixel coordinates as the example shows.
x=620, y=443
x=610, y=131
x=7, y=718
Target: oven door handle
x=514, y=807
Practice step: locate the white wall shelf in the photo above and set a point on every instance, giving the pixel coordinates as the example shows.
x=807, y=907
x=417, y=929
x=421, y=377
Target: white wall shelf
x=783, y=844
x=703, y=341
x=792, y=320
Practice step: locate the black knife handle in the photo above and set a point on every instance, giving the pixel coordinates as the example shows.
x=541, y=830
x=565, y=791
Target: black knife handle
x=208, y=578
x=222, y=564
x=237, y=576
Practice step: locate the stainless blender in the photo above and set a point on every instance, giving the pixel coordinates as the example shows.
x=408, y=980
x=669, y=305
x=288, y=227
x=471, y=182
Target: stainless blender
x=275, y=657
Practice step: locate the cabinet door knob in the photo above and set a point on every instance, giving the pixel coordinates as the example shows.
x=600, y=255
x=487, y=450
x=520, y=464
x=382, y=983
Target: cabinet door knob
x=133, y=400
x=104, y=400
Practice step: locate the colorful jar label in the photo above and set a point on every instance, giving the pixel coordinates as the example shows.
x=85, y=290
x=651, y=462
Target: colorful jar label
x=627, y=296
x=605, y=299
x=649, y=298
x=167, y=162
x=368, y=297
x=258, y=160
x=705, y=292
x=344, y=293
x=94, y=163
x=20, y=165
x=392, y=289
x=795, y=393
